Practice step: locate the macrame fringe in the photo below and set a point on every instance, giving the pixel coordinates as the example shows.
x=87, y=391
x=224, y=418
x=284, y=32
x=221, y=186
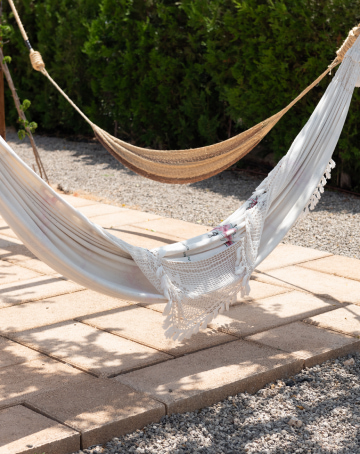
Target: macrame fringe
x=179, y=334
x=316, y=196
x=174, y=333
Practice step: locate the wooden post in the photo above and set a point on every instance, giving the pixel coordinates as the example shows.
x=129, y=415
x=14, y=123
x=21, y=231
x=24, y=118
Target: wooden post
x=2, y=99
x=2, y=106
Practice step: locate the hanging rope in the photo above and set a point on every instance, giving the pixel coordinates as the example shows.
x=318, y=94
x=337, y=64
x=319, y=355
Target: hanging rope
x=191, y=165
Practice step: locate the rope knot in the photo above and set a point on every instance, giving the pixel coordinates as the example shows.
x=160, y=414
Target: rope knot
x=36, y=60
x=350, y=40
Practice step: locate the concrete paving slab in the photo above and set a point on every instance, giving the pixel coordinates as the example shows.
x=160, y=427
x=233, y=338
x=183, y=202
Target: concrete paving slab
x=314, y=345
x=142, y=237
x=267, y=313
x=37, y=266
x=23, y=431
x=145, y=326
x=337, y=265
x=12, y=273
x=175, y=227
x=77, y=202
x=123, y=218
x=289, y=254
x=39, y=375
x=90, y=349
x=100, y=410
x=35, y=289
x=345, y=320
x=299, y=278
x=12, y=353
x=203, y=378
x=55, y=309
x=6, y=231
x=13, y=250
x=100, y=209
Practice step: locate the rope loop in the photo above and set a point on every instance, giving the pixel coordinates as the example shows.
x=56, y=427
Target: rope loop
x=36, y=60
x=350, y=40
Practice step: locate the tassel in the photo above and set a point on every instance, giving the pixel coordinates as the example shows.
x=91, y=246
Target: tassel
x=189, y=333
x=169, y=333
x=167, y=309
x=182, y=336
x=159, y=272
x=239, y=269
x=204, y=324
x=196, y=328
x=167, y=322
x=227, y=305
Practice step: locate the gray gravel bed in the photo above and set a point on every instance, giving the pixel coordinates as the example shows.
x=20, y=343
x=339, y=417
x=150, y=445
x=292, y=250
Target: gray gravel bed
x=291, y=416
x=318, y=411
x=333, y=227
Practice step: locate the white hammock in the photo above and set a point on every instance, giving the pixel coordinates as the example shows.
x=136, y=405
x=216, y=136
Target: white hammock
x=201, y=276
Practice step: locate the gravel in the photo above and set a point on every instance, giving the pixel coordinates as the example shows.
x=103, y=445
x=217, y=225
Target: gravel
x=80, y=167
x=292, y=416
x=316, y=411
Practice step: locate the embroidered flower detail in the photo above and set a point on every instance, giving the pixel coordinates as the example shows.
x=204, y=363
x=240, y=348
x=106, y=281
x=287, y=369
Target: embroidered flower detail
x=226, y=231
x=252, y=202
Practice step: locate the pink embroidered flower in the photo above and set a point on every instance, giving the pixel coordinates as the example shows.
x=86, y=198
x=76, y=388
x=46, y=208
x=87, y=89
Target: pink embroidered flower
x=226, y=232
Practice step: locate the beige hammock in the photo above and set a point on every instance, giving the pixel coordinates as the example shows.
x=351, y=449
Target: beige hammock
x=194, y=164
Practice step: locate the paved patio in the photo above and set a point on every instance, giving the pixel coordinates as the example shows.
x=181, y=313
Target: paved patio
x=78, y=368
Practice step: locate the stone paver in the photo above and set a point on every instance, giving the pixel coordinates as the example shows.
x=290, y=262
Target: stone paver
x=345, y=320
x=99, y=209
x=267, y=313
x=180, y=229
x=35, y=289
x=12, y=353
x=203, y=378
x=23, y=431
x=55, y=309
x=314, y=344
x=87, y=335
x=11, y=273
x=100, y=410
x=90, y=349
x=36, y=265
x=77, y=202
x=300, y=278
x=145, y=326
x=123, y=218
x=142, y=237
x=13, y=250
x=6, y=230
x=39, y=375
x=337, y=265
x=289, y=254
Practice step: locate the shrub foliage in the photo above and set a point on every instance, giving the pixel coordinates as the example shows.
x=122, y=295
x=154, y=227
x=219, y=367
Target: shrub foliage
x=183, y=74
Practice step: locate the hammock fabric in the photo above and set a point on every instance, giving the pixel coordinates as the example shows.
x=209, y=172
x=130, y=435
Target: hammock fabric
x=184, y=166
x=201, y=276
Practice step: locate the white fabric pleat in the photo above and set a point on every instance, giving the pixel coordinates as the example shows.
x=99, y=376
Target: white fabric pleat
x=199, y=277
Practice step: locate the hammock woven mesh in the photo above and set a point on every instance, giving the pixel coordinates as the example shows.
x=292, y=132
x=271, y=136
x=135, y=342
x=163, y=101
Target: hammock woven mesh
x=191, y=165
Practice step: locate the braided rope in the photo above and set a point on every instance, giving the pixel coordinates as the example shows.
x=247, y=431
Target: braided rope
x=349, y=41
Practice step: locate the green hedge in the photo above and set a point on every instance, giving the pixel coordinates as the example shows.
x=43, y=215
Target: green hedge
x=182, y=74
